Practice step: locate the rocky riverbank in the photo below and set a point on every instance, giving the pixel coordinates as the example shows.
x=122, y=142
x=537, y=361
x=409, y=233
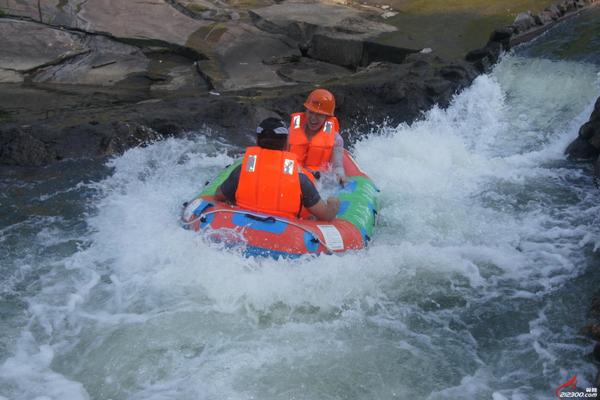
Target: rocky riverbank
x=89, y=79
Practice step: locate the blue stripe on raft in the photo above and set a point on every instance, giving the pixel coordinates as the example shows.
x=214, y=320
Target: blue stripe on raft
x=208, y=219
x=343, y=207
x=201, y=207
x=276, y=227
x=252, y=251
x=311, y=246
x=365, y=237
x=349, y=187
x=373, y=211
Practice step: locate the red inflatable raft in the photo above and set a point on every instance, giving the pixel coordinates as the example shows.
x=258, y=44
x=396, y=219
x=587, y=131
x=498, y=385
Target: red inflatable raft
x=268, y=235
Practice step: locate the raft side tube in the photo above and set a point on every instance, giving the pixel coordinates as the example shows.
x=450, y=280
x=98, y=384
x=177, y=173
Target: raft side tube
x=275, y=236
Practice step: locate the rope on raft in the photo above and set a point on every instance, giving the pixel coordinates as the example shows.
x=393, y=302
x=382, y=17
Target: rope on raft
x=285, y=221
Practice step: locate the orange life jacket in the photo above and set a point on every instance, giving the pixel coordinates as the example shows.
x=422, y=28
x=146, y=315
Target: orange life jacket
x=316, y=153
x=270, y=182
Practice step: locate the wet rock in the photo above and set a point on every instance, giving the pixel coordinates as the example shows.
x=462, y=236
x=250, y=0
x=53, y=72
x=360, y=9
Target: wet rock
x=476, y=55
x=155, y=19
x=485, y=57
x=330, y=33
x=562, y=8
x=270, y=19
x=393, y=93
x=240, y=56
x=10, y=76
x=301, y=21
x=587, y=143
x=349, y=51
x=494, y=50
x=126, y=136
x=596, y=353
x=523, y=22
x=200, y=9
x=312, y=71
x=543, y=18
x=596, y=356
x=503, y=36
x=594, y=140
x=592, y=331
x=438, y=87
x=40, y=11
x=111, y=130
x=179, y=78
x=581, y=149
x=456, y=74
x=374, y=52
x=76, y=58
x=527, y=26
x=154, y=23
x=19, y=147
x=569, y=5
x=28, y=49
x=105, y=63
x=554, y=12
x=274, y=60
x=341, y=50
x=587, y=130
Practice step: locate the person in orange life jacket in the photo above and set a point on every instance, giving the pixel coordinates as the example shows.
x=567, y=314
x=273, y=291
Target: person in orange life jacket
x=270, y=179
x=314, y=135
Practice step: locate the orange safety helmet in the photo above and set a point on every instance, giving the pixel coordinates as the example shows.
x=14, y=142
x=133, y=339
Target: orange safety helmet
x=320, y=101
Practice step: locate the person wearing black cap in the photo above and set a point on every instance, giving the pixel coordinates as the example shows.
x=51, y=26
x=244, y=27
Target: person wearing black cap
x=270, y=179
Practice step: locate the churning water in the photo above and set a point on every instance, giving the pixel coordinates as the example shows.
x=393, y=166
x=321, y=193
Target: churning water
x=475, y=285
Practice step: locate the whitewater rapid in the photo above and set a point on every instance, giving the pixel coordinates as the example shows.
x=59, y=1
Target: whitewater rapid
x=474, y=286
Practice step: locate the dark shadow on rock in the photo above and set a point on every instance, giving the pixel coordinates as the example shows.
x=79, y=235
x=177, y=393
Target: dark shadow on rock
x=587, y=143
x=18, y=146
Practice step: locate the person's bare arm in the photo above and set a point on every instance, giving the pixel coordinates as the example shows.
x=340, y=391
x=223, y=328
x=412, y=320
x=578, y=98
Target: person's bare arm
x=326, y=211
x=337, y=159
x=226, y=190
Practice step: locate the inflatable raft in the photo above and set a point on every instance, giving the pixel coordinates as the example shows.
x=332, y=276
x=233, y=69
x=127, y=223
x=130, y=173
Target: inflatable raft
x=259, y=234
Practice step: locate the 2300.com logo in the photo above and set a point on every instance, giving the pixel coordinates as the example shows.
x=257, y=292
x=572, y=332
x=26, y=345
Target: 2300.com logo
x=563, y=392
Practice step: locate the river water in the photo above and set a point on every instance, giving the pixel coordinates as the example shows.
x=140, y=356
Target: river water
x=475, y=285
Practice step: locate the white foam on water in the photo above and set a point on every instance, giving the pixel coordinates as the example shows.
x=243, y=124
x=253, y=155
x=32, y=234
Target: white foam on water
x=480, y=221
x=30, y=367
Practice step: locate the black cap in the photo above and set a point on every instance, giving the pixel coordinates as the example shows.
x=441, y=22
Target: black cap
x=272, y=128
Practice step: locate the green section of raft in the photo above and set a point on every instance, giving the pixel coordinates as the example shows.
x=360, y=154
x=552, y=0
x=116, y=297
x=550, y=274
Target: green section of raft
x=363, y=204
x=211, y=188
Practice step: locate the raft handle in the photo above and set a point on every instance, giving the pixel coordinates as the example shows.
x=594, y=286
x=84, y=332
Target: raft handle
x=261, y=219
